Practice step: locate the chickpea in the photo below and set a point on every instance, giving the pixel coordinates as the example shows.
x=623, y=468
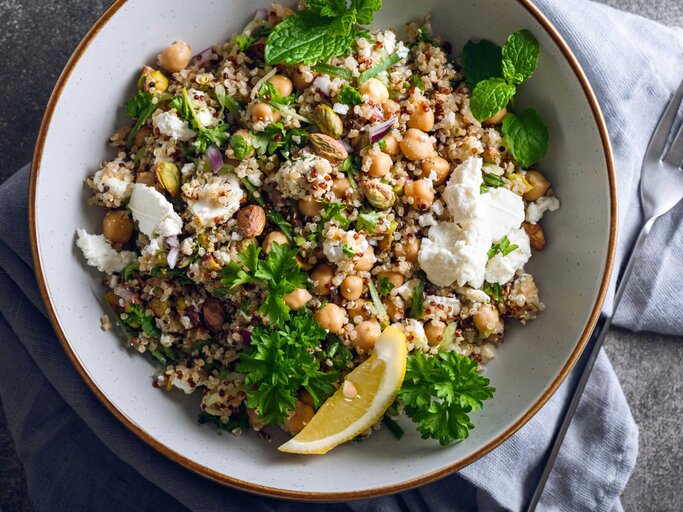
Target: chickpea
x=331, y=318
x=358, y=309
x=422, y=193
x=391, y=146
x=390, y=107
x=408, y=248
x=282, y=84
x=272, y=238
x=298, y=298
x=299, y=418
x=299, y=79
x=366, y=261
x=352, y=287
x=367, y=333
x=141, y=135
x=437, y=165
x=340, y=186
x=416, y=145
x=422, y=117
x=497, y=118
x=146, y=178
x=309, y=207
x=539, y=183
x=255, y=420
x=486, y=320
x=322, y=279
x=375, y=91
x=395, y=311
x=117, y=226
x=248, y=138
x=393, y=277
x=176, y=57
x=434, y=330
x=378, y=164
x=264, y=113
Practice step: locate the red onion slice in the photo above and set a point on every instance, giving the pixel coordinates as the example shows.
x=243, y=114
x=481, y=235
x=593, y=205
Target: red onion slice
x=215, y=158
x=124, y=293
x=172, y=241
x=379, y=130
x=246, y=336
x=172, y=256
x=203, y=57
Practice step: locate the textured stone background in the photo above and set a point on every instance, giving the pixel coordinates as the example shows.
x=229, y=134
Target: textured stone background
x=36, y=39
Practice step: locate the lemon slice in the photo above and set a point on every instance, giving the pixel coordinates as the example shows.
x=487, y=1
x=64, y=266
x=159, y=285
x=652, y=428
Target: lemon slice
x=360, y=401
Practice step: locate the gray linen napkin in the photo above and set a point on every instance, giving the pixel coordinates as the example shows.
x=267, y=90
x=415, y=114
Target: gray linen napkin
x=78, y=457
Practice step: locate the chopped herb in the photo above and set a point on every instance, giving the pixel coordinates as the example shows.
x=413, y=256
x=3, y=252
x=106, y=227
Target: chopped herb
x=417, y=309
x=349, y=96
x=238, y=420
x=140, y=107
x=335, y=354
x=351, y=167
x=385, y=64
x=240, y=146
x=367, y=221
x=493, y=180
x=244, y=41
x=495, y=291
x=217, y=135
x=348, y=250
x=382, y=144
x=384, y=286
x=393, y=427
x=335, y=71
x=225, y=101
x=415, y=81
x=138, y=319
x=334, y=211
x=276, y=139
x=127, y=272
x=503, y=247
x=382, y=315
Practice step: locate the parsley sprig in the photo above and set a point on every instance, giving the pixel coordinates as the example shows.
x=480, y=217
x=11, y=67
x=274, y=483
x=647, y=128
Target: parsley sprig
x=325, y=29
x=140, y=107
x=278, y=273
x=493, y=73
x=217, y=135
x=439, y=392
x=279, y=362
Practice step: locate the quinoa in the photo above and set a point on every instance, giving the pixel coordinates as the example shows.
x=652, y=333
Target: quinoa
x=162, y=300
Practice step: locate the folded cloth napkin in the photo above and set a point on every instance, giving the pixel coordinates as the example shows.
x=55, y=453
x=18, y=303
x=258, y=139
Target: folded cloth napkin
x=78, y=457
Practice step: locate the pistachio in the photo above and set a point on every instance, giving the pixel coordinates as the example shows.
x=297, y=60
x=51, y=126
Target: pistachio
x=168, y=176
x=328, y=121
x=380, y=195
x=328, y=148
x=536, y=235
x=152, y=81
x=251, y=220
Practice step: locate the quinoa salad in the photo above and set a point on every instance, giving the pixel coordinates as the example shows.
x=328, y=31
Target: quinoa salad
x=279, y=200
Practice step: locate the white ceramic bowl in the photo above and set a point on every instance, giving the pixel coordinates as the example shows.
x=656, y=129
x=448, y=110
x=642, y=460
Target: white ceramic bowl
x=87, y=106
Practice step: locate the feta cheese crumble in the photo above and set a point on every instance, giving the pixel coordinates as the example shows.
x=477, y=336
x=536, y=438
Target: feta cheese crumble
x=171, y=125
x=214, y=201
x=535, y=210
x=154, y=214
x=100, y=254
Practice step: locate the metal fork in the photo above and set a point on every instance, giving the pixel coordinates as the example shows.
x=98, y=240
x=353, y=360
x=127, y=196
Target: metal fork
x=661, y=188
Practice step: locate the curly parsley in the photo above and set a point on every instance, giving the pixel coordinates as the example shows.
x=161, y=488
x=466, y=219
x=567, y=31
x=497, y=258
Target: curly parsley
x=439, y=392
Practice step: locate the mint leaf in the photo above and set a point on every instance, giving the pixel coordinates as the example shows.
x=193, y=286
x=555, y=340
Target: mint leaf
x=504, y=247
x=327, y=8
x=481, y=61
x=344, y=24
x=520, y=56
x=489, y=97
x=527, y=136
x=366, y=10
x=304, y=37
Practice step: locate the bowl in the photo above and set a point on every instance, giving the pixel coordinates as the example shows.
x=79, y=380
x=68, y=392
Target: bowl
x=573, y=271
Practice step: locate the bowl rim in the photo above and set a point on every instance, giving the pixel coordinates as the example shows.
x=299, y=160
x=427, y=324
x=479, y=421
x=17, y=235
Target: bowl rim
x=216, y=476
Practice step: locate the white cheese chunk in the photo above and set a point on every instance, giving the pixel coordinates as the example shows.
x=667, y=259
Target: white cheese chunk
x=338, y=239
x=535, y=210
x=172, y=126
x=462, y=191
x=500, y=211
x=99, y=253
x=153, y=212
x=500, y=269
x=216, y=201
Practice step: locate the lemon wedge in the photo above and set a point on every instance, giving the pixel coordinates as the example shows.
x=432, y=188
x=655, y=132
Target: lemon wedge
x=360, y=401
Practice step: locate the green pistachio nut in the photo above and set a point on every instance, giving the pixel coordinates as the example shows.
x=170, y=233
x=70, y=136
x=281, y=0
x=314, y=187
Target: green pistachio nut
x=380, y=195
x=328, y=121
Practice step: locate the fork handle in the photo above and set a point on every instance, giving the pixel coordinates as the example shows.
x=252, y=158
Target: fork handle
x=586, y=363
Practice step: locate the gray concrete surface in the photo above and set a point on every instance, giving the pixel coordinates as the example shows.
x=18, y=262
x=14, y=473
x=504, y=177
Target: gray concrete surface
x=36, y=39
